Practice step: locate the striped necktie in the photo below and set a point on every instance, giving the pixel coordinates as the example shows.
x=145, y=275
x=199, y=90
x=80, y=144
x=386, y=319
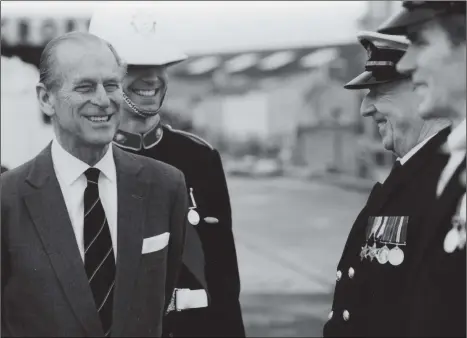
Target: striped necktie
x=99, y=259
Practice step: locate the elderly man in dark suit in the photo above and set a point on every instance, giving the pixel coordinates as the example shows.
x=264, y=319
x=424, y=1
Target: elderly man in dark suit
x=92, y=236
x=372, y=275
x=436, y=62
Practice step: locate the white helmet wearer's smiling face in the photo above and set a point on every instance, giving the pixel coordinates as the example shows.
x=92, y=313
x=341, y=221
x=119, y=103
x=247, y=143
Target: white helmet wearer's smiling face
x=145, y=88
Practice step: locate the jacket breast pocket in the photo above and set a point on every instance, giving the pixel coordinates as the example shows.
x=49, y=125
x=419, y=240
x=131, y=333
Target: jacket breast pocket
x=154, y=251
x=154, y=260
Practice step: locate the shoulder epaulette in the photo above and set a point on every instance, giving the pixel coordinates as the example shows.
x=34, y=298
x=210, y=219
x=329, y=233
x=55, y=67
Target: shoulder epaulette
x=191, y=136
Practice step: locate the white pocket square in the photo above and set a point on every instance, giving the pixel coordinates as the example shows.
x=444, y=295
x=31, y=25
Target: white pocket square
x=155, y=243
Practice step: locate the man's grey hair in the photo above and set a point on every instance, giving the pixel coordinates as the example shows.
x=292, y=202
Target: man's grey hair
x=48, y=61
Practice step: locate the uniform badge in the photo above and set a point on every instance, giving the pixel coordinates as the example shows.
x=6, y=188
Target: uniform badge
x=369, y=52
x=364, y=252
x=383, y=255
x=384, y=231
x=144, y=23
x=193, y=216
x=120, y=137
x=456, y=237
x=372, y=252
x=396, y=256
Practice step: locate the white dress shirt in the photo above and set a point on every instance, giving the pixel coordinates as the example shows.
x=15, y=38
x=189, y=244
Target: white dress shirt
x=70, y=174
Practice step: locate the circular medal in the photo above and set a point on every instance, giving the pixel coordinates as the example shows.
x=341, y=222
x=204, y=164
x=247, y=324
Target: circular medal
x=383, y=256
x=193, y=217
x=451, y=241
x=396, y=256
x=462, y=238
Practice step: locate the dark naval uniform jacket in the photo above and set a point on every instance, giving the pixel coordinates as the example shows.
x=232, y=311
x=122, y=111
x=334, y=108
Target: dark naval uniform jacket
x=438, y=291
x=210, y=259
x=373, y=274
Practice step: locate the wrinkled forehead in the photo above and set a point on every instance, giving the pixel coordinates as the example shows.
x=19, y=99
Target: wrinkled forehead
x=87, y=59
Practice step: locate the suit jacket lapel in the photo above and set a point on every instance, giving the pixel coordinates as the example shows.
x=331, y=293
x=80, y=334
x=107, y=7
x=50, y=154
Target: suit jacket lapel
x=131, y=213
x=410, y=168
x=49, y=213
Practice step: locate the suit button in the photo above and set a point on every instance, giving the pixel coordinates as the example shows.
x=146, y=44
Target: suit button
x=330, y=315
x=351, y=272
x=346, y=315
x=338, y=275
x=171, y=334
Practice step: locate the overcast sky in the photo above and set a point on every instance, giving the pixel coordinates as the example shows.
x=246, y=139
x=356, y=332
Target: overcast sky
x=210, y=26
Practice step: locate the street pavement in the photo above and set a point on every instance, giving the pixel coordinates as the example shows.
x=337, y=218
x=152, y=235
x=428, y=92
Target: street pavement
x=289, y=235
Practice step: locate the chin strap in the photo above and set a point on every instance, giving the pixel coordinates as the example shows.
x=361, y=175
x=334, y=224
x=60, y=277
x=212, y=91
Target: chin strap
x=139, y=111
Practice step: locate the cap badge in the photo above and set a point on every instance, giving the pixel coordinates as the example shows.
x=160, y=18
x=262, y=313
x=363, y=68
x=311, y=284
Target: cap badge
x=144, y=23
x=369, y=52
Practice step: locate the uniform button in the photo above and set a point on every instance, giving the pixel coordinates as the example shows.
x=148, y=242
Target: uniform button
x=346, y=315
x=330, y=315
x=339, y=275
x=351, y=272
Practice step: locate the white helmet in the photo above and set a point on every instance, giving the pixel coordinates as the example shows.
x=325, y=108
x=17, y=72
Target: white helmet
x=135, y=35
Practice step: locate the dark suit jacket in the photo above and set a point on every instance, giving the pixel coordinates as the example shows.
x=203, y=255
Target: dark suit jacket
x=45, y=289
x=438, y=293
x=202, y=167
x=376, y=294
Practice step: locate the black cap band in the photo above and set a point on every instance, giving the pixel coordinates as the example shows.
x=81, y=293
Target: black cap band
x=451, y=7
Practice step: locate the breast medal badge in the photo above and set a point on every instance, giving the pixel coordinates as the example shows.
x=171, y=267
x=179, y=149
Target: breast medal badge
x=193, y=216
x=386, y=230
x=372, y=227
x=397, y=235
x=456, y=237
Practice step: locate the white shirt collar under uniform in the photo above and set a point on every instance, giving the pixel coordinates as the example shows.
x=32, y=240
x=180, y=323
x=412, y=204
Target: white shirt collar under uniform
x=414, y=150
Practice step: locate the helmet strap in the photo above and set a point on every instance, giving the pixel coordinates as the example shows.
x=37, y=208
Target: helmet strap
x=141, y=112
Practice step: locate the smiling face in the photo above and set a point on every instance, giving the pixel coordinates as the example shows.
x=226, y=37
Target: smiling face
x=85, y=107
x=437, y=67
x=145, y=86
x=393, y=107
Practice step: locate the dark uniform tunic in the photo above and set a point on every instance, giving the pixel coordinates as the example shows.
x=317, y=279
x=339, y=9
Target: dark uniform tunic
x=370, y=297
x=210, y=247
x=438, y=303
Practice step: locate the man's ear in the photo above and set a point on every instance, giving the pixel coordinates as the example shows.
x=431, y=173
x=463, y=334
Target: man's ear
x=45, y=99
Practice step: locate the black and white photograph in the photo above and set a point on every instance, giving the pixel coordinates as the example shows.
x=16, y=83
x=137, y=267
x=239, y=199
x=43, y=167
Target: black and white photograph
x=233, y=168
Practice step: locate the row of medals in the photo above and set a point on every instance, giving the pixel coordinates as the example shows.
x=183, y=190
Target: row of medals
x=394, y=256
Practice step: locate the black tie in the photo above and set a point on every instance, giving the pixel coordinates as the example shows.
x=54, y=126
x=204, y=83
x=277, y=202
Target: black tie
x=99, y=259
